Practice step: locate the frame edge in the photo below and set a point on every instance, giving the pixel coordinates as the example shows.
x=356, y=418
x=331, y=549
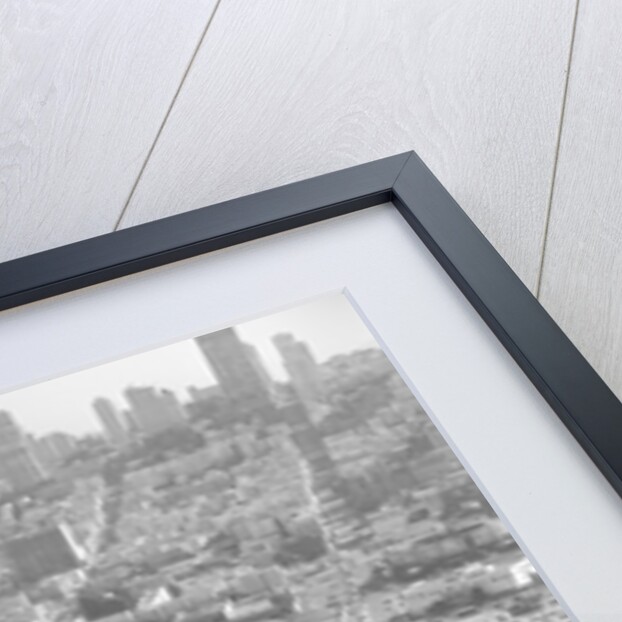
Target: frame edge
x=153, y=244
x=568, y=383
x=577, y=394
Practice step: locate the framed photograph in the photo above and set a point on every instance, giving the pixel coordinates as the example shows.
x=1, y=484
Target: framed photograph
x=330, y=401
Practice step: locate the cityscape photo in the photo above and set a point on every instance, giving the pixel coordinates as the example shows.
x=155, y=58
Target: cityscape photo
x=277, y=471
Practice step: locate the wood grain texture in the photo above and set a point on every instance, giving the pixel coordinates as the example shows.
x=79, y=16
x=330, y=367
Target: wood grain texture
x=582, y=275
x=282, y=91
x=84, y=87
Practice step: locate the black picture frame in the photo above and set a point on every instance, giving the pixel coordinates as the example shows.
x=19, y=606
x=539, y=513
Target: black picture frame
x=572, y=388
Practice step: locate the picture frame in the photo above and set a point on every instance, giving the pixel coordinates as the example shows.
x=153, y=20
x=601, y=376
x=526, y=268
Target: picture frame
x=572, y=388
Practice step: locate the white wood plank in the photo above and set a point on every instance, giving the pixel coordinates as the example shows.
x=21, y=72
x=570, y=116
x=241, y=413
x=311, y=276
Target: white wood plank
x=281, y=91
x=582, y=276
x=84, y=87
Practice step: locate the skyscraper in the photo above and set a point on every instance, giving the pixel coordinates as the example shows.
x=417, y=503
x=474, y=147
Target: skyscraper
x=112, y=421
x=18, y=467
x=301, y=367
x=154, y=411
x=238, y=368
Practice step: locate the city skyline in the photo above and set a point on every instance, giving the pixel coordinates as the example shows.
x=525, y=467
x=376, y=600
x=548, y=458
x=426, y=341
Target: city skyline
x=335, y=499
x=329, y=325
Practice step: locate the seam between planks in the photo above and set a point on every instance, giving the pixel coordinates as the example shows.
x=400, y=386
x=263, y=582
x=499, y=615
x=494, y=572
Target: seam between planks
x=562, y=115
x=166, y=115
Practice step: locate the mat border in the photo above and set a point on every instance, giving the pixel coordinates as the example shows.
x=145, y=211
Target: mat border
x=577, y=394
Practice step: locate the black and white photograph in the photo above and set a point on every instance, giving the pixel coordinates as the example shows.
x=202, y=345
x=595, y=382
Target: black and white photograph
x=276, y=471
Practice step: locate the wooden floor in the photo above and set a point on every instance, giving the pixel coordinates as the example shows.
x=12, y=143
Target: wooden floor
x=113, y=114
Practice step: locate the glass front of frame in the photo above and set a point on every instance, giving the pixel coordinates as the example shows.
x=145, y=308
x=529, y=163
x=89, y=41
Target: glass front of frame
x=276, y=470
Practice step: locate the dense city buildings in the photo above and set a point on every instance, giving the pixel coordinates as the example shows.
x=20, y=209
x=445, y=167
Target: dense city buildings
x=112, y=421
x=19, y=468
x=17, y=608
x=44, y=553
x=329, y=498
x=60, y=445
x=301, y=367
x=152, y=411
x=51, y=450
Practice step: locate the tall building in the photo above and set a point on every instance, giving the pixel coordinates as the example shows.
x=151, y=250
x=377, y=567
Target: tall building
x=154, y=411
x=203, y=394
x=301, y=367
x=52, y=449
x=11, y=434
x=112, y=421
x=18, y=467
x=239, y=371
